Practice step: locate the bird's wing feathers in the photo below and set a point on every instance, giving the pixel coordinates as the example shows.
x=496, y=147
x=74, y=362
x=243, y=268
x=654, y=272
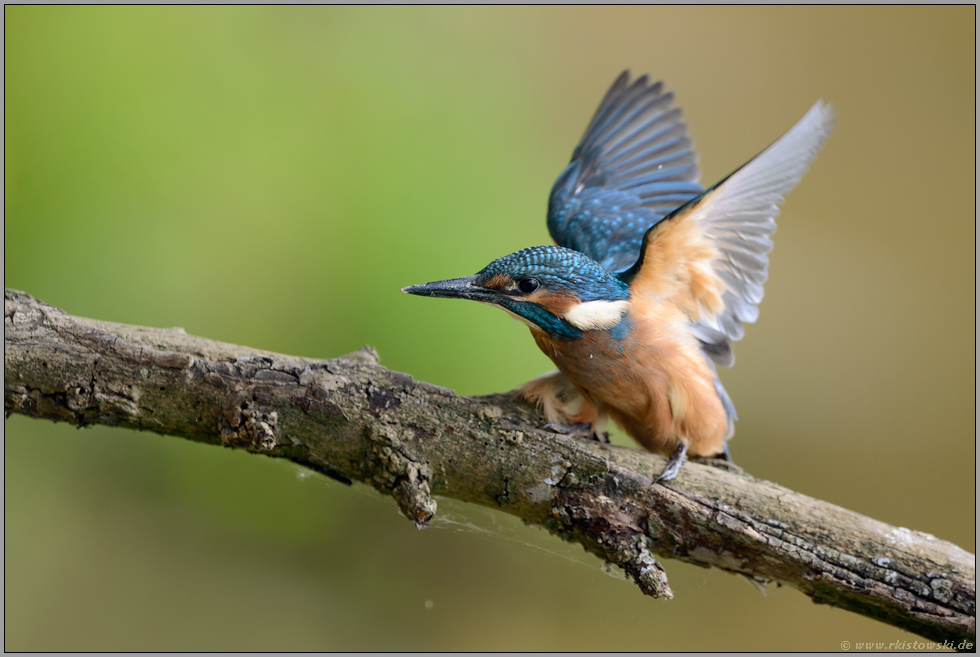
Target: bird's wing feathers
x=634, y=165
x=710, y=256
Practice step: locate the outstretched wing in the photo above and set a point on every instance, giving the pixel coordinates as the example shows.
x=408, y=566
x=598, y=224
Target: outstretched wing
x=634, y=165
x=710, y=256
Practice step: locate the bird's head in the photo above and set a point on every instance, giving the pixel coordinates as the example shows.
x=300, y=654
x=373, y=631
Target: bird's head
x=552, y=289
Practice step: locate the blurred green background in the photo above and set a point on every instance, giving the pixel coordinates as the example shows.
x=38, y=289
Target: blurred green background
x=273, y=176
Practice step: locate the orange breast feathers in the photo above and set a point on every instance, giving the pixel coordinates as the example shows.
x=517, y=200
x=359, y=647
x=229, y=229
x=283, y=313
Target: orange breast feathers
x=684, y=404
x=654, y=383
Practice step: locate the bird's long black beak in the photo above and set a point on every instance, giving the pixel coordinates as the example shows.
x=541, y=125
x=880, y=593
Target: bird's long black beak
x=455, y=288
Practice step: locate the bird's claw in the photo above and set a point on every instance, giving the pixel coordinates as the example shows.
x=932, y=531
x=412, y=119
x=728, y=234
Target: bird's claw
x=674, y=464
x=721, y=463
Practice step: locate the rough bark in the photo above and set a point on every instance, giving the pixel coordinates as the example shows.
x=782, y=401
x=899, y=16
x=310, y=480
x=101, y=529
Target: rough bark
x=353, y=420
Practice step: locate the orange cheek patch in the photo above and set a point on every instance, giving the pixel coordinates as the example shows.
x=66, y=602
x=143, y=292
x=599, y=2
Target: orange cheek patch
x=499, y=282
x=557, y=303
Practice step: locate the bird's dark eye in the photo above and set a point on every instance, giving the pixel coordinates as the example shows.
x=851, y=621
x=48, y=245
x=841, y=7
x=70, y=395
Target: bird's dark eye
x=528, y=285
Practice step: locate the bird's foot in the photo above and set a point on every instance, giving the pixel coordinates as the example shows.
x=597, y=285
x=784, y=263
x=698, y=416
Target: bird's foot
x=722, y=461
x=673, y=464
x=581, y=429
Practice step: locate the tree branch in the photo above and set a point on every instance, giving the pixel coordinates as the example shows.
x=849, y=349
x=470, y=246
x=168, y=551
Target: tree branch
x=353, y=420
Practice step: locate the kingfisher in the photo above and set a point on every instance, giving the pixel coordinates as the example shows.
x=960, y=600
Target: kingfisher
x=652, y=278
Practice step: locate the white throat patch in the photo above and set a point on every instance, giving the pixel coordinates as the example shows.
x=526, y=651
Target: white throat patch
x=595, y=315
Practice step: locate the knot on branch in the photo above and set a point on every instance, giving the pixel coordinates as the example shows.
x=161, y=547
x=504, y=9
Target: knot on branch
x=412, y=496
x=250, y=425
x=619, y=526
x=366, y=354
x=406, y=477
x=647, y=571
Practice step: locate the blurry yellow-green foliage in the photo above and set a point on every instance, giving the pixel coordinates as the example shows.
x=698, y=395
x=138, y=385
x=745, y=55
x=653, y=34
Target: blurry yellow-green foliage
x=273, y=176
